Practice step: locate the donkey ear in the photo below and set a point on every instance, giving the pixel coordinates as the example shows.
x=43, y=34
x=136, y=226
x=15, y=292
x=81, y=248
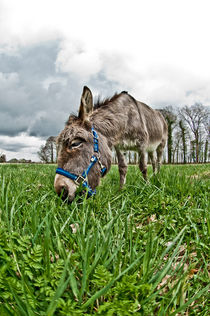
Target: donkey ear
x=86, y=105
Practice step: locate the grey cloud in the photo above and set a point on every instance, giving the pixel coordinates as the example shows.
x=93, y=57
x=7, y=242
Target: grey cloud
x=14, y=147
x=25, y=104
x=37, y=100
x=103, y=86
x=35, y=61
x=34, y=98
x=48, y=125
x=11, y=125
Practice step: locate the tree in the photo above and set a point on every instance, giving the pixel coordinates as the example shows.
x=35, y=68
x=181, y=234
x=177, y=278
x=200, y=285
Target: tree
x=206, y=150
x=192, y=151
x=51, y=145
x=170, y=116
x=48, y=152
x=2, y=158
x=43, y=154
x=183, y=137
x=176, y=146
x=207, y=130
x=196, y=117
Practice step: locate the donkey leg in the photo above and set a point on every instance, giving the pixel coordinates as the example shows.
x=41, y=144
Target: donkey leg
x=122, y=166
x=153, y=161
x=159, y=155
x=143, y=163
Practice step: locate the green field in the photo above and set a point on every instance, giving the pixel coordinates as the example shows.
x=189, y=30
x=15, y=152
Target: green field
x=139, y=251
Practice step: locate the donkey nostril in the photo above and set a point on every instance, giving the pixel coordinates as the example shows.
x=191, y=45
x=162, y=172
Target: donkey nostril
x=63, y=193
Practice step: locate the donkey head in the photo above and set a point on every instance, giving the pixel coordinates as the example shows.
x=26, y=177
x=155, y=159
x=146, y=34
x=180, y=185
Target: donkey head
x=84, y=155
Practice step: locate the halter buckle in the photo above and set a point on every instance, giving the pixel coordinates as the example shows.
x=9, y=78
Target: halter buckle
x=100, y=163
x=79, y=180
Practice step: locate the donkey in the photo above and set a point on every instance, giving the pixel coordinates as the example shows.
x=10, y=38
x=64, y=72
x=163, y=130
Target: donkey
x=85, y=144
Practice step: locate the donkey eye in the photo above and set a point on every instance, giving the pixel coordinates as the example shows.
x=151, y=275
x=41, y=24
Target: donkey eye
x=73, y=145
x=76, y=143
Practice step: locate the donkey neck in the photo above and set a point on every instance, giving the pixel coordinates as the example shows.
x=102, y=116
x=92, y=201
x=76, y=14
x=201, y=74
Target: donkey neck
x=111, y=120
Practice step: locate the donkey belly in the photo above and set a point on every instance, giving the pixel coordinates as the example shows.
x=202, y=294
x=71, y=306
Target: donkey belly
x=152, y=146
x=127, y=144
x=135, y=146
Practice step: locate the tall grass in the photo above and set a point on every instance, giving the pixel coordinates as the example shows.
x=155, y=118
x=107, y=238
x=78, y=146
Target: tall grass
x=139, y=251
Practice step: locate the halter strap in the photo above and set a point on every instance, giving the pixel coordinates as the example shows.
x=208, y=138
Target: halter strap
x=83, y=178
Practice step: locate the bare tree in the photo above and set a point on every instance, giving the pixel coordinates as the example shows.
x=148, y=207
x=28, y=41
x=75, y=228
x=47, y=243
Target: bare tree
x=206, y=150
x=184, y=141
x=207, y=130
x=43, y=154
x=195, y=116
x=170, y=116
x=51, y=146
x=48, y=152
x=2, y=158
x=192, y=151
x=176, y=146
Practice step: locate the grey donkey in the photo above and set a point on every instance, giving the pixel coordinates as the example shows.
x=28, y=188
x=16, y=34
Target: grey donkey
x=120, y=122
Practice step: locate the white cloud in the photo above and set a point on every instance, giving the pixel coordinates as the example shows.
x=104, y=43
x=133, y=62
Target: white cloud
x=21, y=146
x=53, y=80
x=80, y=60
x=148, y=31
x=8, y=79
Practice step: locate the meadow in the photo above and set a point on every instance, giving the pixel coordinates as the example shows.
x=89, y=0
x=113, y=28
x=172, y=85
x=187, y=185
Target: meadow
x=139, y=251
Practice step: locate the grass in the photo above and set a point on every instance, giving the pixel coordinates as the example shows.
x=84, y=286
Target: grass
x=139, y=251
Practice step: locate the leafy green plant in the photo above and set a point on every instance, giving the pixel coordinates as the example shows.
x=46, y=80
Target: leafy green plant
x=139, y=251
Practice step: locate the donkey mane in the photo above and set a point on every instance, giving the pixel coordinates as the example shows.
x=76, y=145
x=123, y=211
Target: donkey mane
x=72, y=118
x=99, y=102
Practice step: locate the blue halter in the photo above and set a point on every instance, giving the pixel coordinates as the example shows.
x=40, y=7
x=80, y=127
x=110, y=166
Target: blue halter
x=83, y=178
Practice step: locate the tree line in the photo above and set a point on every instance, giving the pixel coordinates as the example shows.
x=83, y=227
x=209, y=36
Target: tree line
x=188, y=134
x=13, y=160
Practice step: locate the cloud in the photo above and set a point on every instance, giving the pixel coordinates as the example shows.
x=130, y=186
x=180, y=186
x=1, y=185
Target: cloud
x=79, y=60
x=155, y=82
x=157, y=51
x=33, y=98
x=22, y=146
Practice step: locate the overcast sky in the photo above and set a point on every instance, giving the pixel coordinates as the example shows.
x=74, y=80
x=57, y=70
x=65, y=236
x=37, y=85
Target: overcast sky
x=158, y=51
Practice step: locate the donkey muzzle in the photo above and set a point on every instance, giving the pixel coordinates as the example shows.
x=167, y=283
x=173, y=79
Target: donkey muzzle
x=64, y=187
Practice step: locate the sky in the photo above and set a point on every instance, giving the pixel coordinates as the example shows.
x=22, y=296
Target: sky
x=158, y=51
